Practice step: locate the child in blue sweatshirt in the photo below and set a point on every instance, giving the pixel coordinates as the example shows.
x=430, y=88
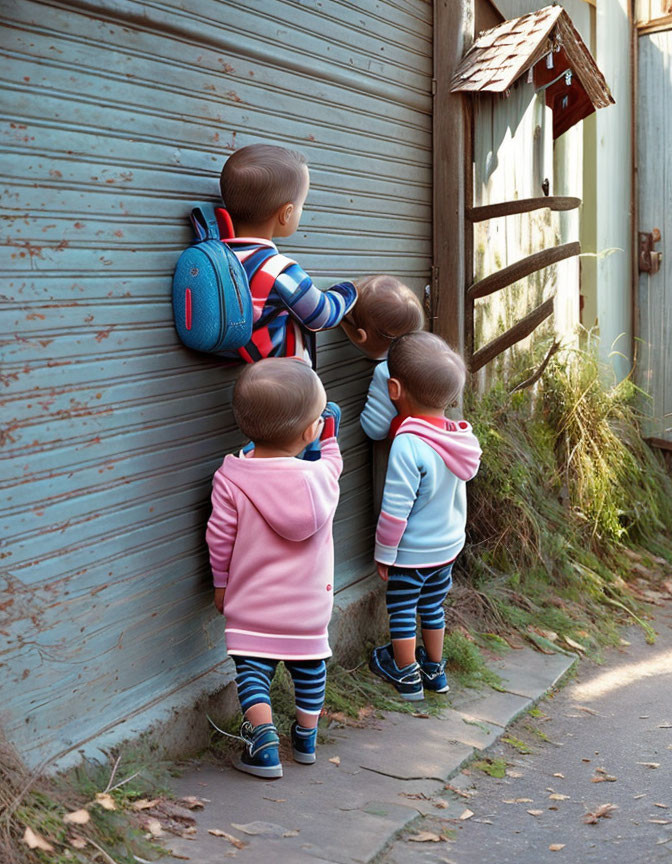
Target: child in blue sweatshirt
x=421, y=528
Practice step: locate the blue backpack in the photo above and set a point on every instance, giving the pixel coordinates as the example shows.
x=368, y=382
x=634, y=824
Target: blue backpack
x=212, y=304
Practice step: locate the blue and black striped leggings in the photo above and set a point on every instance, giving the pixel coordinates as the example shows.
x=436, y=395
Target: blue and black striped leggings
x=254, y=676
x=417, y=591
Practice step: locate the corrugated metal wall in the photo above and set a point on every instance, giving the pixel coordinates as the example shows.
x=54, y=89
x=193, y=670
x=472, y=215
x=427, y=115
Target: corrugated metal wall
x=116, y=117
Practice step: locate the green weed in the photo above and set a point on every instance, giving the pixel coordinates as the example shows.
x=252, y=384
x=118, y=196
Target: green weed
x=567, y=496
x=517, y=744
x=493, y=767
x=465, y=663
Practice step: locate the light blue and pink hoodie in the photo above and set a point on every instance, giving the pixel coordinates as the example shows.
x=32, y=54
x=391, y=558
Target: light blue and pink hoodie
x=271, y=547
x=424, y=508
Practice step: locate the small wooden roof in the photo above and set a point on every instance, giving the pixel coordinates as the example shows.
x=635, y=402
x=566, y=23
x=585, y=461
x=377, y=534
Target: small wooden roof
x=499, y=56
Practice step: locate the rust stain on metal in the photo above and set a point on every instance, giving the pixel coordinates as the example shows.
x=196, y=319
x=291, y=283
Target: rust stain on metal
x=104, y=334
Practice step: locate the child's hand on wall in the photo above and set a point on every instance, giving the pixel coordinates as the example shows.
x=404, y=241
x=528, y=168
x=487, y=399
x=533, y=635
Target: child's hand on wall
x=219, y=600
x=382, y=571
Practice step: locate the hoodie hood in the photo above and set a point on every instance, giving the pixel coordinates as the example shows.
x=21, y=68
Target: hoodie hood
x=295, y=498
x=457, y=446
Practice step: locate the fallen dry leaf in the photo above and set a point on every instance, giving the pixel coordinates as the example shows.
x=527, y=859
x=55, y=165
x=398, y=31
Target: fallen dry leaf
x=291, y=833
x=77, y=842
x=36, y=841
x=154, y=827
x=586, y=710
x=336, y=760
x=144, y=803
x=641, y=795
x=523, y=800
x=604, y=811
x=662, y=806
x=511, y=772
x=573, y=644
x=457, y=791
x=660, y=821
x=649, y=764
x=585, y=760
x=424, y=837
x=558, y=774
x=484, y=821
x=421, y=715
x=665, y=725
x=603, y=778
x=536, y=812
x=77, y=817
x=277, y=800
x=558, y=796
x=234, y=841
x=106, y=801
x=556, y=847
x=441, y=804
x=191, y=802
x=466, y=814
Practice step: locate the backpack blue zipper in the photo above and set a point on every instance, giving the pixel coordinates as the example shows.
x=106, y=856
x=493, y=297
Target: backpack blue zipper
x=212, y=260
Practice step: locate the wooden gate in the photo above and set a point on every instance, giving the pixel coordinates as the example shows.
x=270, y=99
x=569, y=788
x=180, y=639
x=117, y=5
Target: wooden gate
x=654, y=166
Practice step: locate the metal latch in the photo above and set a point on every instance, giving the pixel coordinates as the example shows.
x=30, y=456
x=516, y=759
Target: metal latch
x=649, y=259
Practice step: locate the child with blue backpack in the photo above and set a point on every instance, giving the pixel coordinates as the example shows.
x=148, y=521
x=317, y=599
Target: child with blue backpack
x=421, y=528
x=264, y=188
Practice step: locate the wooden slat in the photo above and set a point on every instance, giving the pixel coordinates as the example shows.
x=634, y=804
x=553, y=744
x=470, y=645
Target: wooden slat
x=519, y=331
x=514, y=272
x=655, y=26
x=660, y=443
x=522, y=205
x=447, y=306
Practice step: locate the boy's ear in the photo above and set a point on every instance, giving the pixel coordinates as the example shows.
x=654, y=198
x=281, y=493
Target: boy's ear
x=285, y=212
x=354, y=334
x=310, y=432
x=394, y=388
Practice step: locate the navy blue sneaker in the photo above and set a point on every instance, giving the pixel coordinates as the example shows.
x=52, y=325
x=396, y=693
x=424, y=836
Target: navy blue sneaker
x=260, y=755
x=433, y=674
x=407, y=681
x=303, y=742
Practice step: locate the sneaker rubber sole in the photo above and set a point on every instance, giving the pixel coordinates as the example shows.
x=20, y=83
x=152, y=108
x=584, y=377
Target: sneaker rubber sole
x=439, y=690
x=408, y=697
x=271, y=772
x=304, y=758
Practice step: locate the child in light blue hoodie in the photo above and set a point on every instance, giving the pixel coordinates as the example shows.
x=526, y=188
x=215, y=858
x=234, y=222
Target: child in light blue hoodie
x=421, y=528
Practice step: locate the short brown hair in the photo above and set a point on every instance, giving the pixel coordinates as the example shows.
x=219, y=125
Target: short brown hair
x=386, y=307
x=430, y=371
x=275, y=399
x=259, y=178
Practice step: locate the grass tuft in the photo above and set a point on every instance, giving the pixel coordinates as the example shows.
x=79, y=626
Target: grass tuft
x=569, y=508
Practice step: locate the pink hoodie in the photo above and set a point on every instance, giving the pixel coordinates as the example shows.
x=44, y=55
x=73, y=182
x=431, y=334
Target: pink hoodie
x=271, y=547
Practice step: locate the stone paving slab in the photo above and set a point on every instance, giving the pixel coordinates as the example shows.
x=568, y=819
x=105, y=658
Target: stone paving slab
x=389, y=773
x=530, y=674
x=491, y=706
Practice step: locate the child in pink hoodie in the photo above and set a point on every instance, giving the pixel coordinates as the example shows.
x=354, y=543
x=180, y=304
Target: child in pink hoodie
x=271, y=551
x=421, y=525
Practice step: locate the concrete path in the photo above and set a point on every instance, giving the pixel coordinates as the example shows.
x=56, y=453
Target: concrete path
x=368, y=783
x=609, y=742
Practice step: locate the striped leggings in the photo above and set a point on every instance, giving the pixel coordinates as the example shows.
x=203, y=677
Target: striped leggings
x=412, y=591
x=255, y=674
